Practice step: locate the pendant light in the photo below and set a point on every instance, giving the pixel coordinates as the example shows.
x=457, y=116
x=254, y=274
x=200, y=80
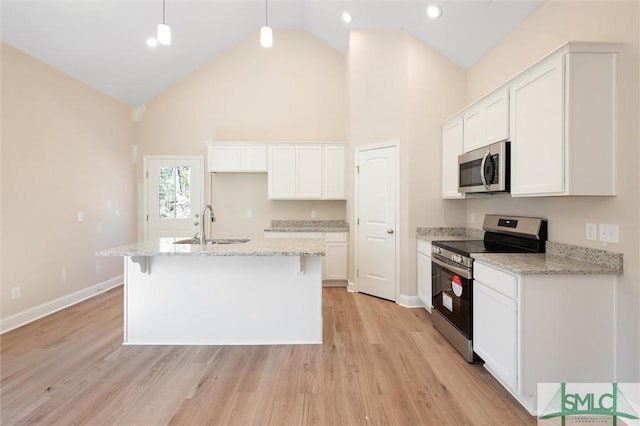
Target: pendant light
x=266, y=33
x=164, y=31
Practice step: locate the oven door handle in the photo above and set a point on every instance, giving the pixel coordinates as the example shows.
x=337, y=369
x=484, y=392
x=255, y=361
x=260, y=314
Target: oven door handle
x=463, y=272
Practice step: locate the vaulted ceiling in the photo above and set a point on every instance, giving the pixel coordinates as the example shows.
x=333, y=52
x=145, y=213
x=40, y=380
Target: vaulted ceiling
x=102, y=42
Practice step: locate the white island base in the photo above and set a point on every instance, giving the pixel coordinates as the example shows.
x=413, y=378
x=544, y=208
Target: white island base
x=223, y=300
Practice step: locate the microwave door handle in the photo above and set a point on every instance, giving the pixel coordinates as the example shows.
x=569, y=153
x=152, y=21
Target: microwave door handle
x=482, y=178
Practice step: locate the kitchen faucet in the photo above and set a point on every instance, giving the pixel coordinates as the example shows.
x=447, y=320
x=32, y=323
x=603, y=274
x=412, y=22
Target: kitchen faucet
x=203, y=237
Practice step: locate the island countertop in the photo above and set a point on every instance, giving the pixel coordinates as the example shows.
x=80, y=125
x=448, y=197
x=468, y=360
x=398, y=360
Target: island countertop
x=254, y=247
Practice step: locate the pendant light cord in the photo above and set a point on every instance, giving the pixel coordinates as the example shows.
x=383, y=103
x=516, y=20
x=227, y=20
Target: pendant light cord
x=266, y=12
x=163, y=12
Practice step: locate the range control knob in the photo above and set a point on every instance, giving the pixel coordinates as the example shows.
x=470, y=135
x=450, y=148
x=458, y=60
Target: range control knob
x=456, y=258
x=435, y=250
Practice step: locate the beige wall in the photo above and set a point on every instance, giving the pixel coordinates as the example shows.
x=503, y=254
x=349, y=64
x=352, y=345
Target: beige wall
x=294, y=91
x=401, y=90
x=65, y=148
x=551, y=25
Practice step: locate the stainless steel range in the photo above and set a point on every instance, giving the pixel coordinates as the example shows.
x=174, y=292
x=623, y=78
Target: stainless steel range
x=452, y=273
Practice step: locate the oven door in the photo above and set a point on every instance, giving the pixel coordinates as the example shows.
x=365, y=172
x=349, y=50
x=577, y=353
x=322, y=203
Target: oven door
x=451, y=286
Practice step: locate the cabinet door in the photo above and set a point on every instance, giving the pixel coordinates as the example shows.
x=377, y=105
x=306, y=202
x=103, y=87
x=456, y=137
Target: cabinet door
x=308, y=172
x=495, y=336
x=334, y=173
x=537, y=132
x=496, y=117
x=424, y=280
x=474, y=128
x=222, y=158
x=335, y=261
x=282, y=172
x=451, y=149
x=252, y=158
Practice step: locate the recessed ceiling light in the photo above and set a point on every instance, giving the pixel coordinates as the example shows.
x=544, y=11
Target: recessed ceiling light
x=434, y=11
x=346, y=17
x=152, y=42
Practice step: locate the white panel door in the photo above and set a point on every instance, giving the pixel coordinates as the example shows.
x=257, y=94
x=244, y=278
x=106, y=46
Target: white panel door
x=173, y=195
x=377, y=188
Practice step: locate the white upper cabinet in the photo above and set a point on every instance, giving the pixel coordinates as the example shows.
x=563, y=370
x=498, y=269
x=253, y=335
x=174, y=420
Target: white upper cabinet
x=303, y=171
x=334, y=172
x=282, y=172
x=563, y=123
x=487, y=121
x=236, y=157
x=452, y=139
x=309, y=171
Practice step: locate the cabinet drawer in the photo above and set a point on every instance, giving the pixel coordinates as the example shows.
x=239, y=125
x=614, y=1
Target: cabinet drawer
x=501, y=282
x=338, y=237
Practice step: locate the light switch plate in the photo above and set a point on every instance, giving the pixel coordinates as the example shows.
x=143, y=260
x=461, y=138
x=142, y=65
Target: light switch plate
x=613, y=234
x=609, y=233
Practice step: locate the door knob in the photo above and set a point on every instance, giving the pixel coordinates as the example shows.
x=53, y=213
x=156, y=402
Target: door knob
x=389, y=231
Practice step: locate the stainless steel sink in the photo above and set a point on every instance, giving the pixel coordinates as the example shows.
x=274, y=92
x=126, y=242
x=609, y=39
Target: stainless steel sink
x=228, y=241
x=214, y=241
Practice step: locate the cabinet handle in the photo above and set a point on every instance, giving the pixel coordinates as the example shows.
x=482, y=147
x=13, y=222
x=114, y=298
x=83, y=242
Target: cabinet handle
x=196, y=223
x=482, y=178
x=389, y=231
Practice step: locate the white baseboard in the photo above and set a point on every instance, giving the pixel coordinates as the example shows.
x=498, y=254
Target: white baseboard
x=351, y=287
x=409, y=301
x=29, y=315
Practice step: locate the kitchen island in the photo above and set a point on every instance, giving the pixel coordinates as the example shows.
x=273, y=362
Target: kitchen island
x=255, y=293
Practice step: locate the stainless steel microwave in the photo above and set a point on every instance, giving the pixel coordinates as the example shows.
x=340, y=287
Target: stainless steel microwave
x=485, y=169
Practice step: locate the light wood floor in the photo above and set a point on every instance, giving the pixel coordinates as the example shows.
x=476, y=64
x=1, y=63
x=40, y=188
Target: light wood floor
x=380, y=364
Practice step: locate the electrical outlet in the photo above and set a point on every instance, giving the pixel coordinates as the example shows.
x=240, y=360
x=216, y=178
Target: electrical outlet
x=15, y=293
x=591, y=231
x=313, y=214
x=63, y=275
x=472, y=218
x=80, y=216
x=249, y=213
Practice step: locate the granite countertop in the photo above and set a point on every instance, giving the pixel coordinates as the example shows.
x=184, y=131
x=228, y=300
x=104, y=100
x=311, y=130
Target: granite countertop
x=559, y=259
x=448, y=234
x=543, y=264
x=308, y=226
x=255, y=247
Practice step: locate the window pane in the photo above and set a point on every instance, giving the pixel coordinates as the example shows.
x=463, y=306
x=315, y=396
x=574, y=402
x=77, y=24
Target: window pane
x=183, y=192
x=174, y=193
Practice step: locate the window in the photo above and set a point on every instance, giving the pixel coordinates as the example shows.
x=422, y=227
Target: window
x=174, y=192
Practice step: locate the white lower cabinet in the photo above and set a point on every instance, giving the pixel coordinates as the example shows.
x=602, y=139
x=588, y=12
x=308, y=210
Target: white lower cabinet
x=335, y=263
x=532, y=329
x=495, y=332
x=424, y=273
